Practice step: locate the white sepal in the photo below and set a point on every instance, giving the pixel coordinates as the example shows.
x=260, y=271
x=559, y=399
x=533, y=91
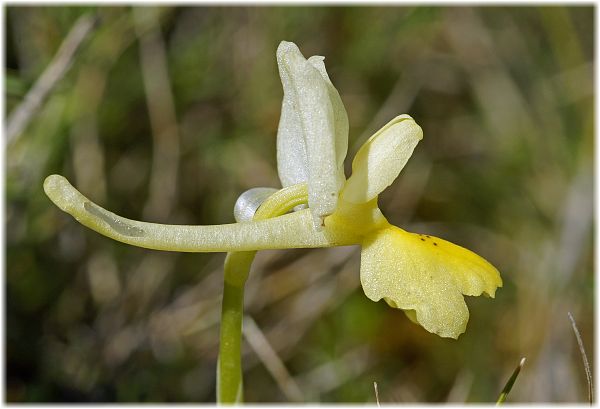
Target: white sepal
x=313, y=130
x=249, y=201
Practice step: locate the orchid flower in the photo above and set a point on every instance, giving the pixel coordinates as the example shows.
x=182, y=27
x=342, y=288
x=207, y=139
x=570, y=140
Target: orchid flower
x=425, y=276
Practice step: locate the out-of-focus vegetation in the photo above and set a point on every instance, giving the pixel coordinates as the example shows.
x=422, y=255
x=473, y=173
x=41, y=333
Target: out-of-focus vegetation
x=167, y=114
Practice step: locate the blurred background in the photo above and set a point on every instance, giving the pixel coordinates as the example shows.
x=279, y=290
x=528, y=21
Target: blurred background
x=168, y=114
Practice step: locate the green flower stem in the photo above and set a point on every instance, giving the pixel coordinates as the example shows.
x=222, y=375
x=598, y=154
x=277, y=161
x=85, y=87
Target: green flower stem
x=236, y=270
x=229, y=371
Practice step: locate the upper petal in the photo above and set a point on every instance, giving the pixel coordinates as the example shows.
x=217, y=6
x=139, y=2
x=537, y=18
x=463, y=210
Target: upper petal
x=313, y=130
x=380, y=160
x=427, y=275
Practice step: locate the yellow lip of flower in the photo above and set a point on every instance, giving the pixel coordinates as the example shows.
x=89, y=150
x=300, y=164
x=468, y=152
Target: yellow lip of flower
x=425, y=276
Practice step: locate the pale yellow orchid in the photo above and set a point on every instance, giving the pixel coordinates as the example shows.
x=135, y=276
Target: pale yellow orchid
x=424, y=276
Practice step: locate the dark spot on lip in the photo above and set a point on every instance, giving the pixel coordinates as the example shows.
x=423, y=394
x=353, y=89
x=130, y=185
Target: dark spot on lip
x=422, y=239
x=434, y=243
x=428, y=236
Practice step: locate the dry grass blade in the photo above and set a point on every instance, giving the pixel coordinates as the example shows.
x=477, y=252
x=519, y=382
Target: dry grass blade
x=461, y=388
x=331, y=375
x=271, y=360
x=161, y=109
x=510, y=383
x=22, y=114
x=376, y=394
x=586, y=364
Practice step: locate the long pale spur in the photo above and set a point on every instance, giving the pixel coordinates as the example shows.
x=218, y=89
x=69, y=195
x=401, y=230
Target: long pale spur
x=425, y=276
